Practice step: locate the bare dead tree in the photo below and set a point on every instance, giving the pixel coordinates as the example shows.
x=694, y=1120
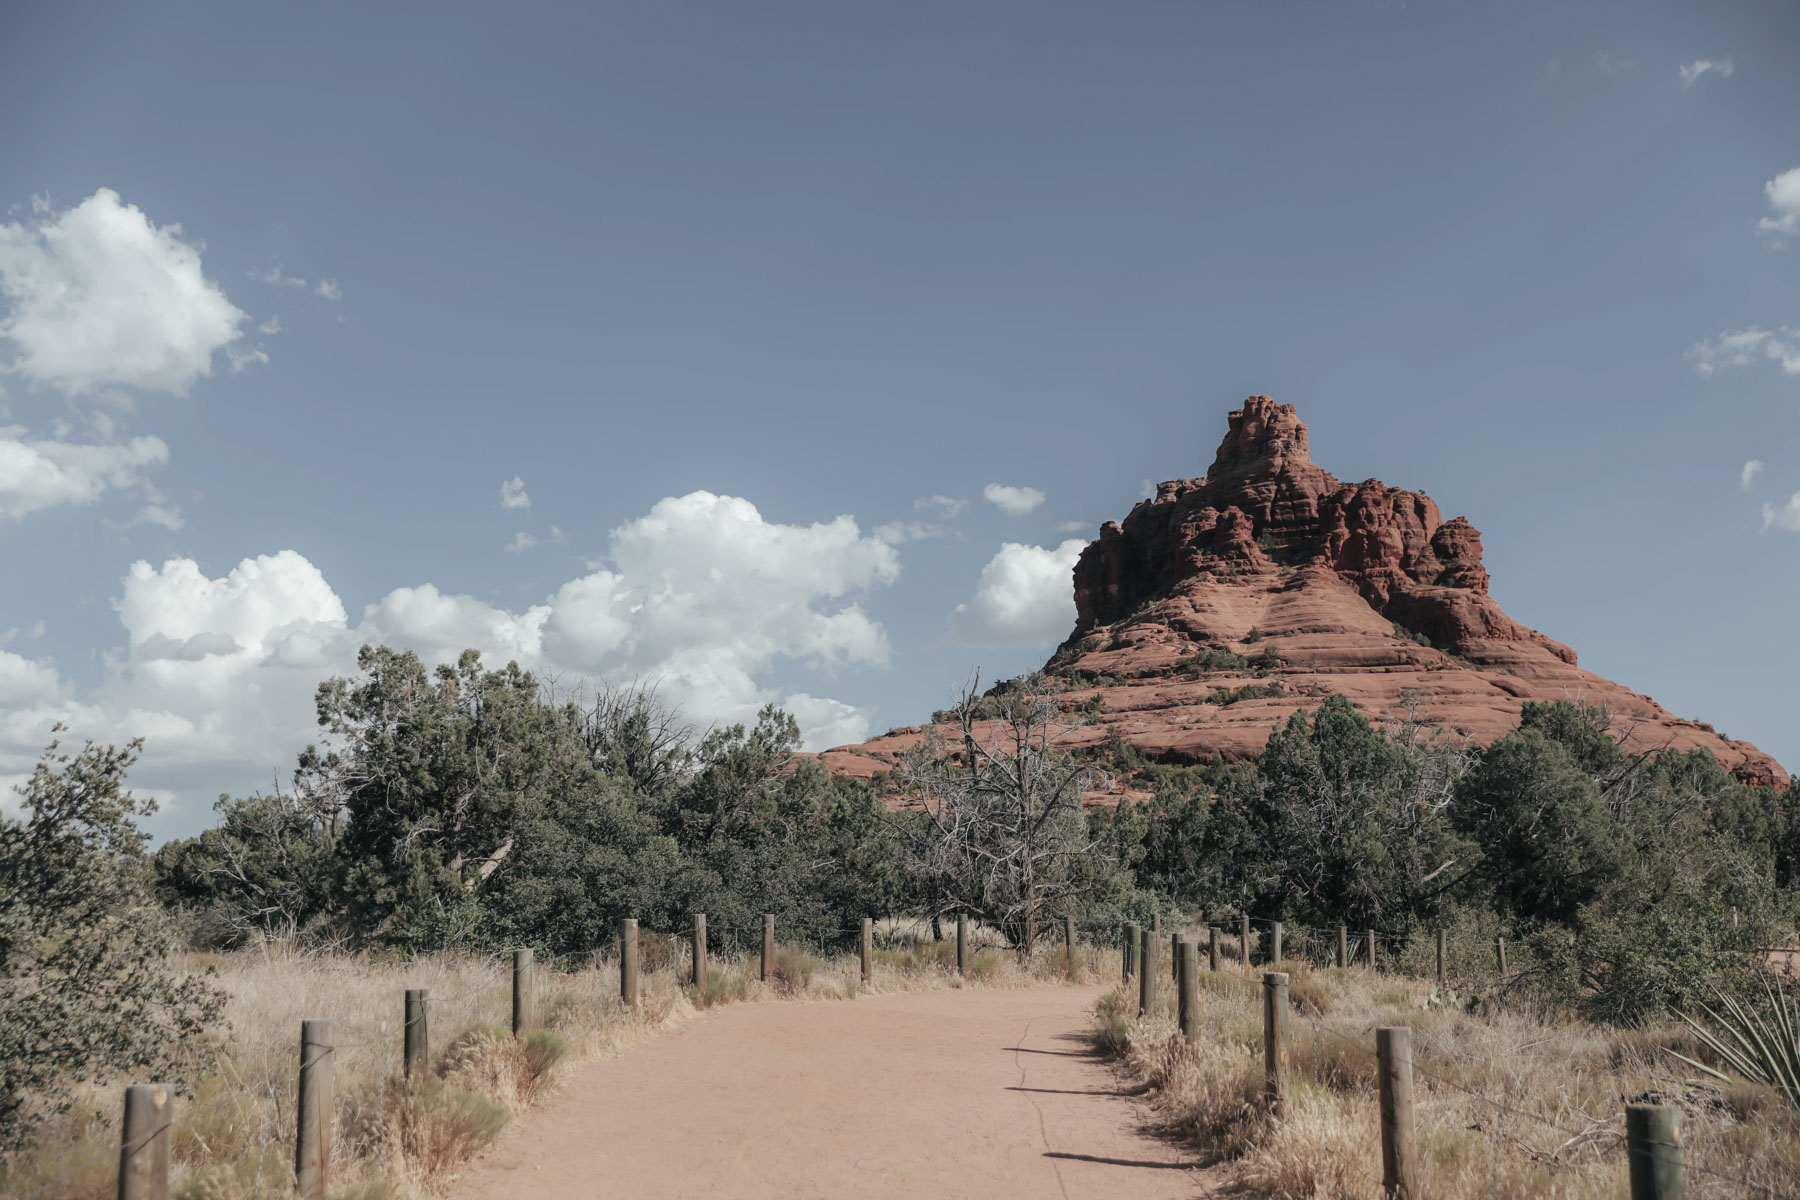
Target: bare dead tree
x=1004, y=832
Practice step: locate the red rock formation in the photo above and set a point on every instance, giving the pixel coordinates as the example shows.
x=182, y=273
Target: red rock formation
x=1268, y=553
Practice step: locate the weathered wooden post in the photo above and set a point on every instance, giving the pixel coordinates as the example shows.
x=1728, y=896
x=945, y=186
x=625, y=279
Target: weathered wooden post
x=1399, y=1151
x=1441, y=976
x=1371, y=941
x=1275, y=931
x=1653, y=1147
x=1212, y=948
x=1275, y=1055
x=144, y=1143
x=1131, y=948
x=312, y=1115
x=868, y=950
x=1500, y=953
x=1189, y=976
x=1070, y=943
x=1149, y=953
x=700, y=951
x=628, y=961
x=962, y=943
x=522, y=1015
x=768, y=945
x=1343, y=955
x=1244, y=942
x=416, y=1045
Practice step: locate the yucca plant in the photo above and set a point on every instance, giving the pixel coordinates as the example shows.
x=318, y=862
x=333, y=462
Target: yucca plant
x=1762, y=1051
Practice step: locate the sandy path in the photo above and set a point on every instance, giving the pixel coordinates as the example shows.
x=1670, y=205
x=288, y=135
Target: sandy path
x=989, y=1094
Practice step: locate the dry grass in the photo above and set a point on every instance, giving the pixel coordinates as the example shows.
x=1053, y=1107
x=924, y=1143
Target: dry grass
x=234, y=1137
x=1564, y=1086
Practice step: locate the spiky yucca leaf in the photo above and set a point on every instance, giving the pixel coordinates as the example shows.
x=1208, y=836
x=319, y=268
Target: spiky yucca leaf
x=1762, y=1051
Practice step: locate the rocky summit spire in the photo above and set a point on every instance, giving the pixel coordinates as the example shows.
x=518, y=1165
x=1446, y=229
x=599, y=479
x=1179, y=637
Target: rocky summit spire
x=1227, y=602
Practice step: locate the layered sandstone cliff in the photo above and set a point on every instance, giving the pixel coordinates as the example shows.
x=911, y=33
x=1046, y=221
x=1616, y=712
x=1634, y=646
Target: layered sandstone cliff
x=1227, y=602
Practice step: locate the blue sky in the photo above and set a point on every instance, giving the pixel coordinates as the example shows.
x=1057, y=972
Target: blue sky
x=706, y=278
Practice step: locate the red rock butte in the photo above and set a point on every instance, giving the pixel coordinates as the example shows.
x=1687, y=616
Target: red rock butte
x=1227, y=602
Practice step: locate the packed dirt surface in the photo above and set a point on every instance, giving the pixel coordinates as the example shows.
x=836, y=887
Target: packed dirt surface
x=978, y=1093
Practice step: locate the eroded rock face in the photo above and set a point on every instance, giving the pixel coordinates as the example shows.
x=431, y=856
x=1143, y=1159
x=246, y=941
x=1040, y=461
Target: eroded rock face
x=1359, y=589
x=1263, y=505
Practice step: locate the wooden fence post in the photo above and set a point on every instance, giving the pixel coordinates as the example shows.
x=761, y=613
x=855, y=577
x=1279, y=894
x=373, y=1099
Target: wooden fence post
x=1070, y=942
x=522, y=1015
x=1399, y=1151
x=1653, y=1147
x=417, y=1042
x=1149, y=954
x=1275, y=1055
x=628, y=961
x=868, y=950
x=1131, y=946
x=312, y=1115
x=700, y=951
x=1441, y=977
x=144, y=1143
x=1212, y=947
x=1343, y=957
x=768, y=945
x=1500, y=953
x=1371, y=940
x=962, y=943
x=1189, y=975
x=1275, y=932
x=1244, y=942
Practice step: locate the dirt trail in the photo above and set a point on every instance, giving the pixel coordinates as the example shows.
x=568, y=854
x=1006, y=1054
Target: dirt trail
x=989, y=1094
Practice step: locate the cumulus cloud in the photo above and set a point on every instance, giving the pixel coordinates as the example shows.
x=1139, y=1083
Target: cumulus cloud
x=1691, y=73
x=1748, y=475
x=1784, y=516
x=701, y=595
x=513, y=495
x=1783, y=192
x=40, y=474
x=1014, y=501
x=1024, y=596
x=1074, y=527
x=521, y=542
x=329, y=289
x=1742, y=347
x=97, y=296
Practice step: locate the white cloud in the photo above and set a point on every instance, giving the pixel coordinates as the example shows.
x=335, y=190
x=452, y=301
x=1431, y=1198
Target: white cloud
x=1784, y=516
x=246, y=357
x=701, y=595
x=271, y=326
x=1691, y=73
x=1613, y=66
x=1783, y=192
x=1748, y=475
x=1014, y=501
x=1742, y=347
x=332, y=291
x=165, y=515
x=521, y=542
x=949, y=506
x=512, y=494
x=36, y=475
x=98, y=296
x=895, y=533
x=1024, y=596
x=1074, y=527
